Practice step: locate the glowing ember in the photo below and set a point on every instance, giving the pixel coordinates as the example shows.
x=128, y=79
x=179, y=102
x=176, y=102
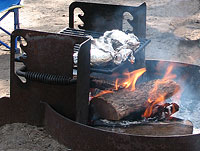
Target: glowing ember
x=173, y=109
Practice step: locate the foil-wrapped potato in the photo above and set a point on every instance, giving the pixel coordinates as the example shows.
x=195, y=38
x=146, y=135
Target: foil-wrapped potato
x=113, y=47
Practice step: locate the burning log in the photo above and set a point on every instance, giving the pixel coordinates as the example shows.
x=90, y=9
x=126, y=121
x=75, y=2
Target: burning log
x=100, y=84
x=117, y=105
x=164, y=111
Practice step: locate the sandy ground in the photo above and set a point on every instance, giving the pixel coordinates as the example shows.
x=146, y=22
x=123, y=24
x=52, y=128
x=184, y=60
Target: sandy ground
x=168, y=42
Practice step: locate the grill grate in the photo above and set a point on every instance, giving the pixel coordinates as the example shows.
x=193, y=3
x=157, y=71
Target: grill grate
x=110, y=68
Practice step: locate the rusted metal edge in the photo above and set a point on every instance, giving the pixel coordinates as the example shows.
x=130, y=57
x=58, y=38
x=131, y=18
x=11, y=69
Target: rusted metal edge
x=85, y=138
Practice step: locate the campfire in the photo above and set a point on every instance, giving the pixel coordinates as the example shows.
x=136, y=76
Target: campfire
x=75, y=99
x=151, y=95
x=42, y=99
x=124, y=99
x=146, y=103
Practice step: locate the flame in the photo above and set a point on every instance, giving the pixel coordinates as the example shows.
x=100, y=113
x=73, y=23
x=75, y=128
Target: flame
x=132, y=77
x=160, y=100
x=168, y=75
x=116, y=84
x=103, y=92
x=129, y=82
x=149, y=109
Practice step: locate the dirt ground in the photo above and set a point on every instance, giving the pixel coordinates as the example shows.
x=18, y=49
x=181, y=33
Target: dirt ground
x=172, y=26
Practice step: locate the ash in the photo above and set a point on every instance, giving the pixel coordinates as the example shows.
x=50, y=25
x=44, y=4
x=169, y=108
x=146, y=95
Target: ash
x=189, y=110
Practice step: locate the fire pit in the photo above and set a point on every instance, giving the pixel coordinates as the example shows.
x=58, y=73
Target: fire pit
x=51, y=96
x=48, y=105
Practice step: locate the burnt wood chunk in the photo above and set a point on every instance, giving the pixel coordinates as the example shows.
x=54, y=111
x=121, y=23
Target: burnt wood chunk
x=122, y=103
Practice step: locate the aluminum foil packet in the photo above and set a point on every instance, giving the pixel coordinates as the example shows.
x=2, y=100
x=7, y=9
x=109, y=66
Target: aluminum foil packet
x=114, y=47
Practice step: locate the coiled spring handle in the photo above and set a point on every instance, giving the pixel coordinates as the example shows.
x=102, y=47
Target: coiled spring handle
x=45, y=78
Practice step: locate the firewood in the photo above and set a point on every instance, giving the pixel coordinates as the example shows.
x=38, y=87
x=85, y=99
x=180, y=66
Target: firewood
x=164, y=128
x=164, y=111
x=101, y=84
x=123, y=103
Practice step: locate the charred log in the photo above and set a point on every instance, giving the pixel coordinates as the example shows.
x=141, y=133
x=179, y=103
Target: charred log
x=123, y=103
x=164, y=111
x=101, y=84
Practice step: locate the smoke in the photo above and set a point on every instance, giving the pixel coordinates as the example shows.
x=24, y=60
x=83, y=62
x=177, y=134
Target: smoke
x=189, y=96
x=190, y=106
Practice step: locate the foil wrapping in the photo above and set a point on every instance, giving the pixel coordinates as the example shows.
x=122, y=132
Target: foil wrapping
x=114, y=47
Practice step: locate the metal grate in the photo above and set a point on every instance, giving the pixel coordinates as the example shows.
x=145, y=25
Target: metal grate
x=110, y=68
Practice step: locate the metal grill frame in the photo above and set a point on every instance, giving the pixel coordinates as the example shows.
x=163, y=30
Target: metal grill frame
x=99, y=18
x=104, y=17
x=109, y=70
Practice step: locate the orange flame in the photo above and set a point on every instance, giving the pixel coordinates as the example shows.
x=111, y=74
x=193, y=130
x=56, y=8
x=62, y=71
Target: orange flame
x=149, y=109
x=132, y=77
x=168, y=75
x=130, y=82
x=152, y=100
x=116, y=84
x=103, y=92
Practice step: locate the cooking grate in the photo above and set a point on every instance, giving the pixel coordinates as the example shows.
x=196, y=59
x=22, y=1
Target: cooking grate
x=110, y=68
